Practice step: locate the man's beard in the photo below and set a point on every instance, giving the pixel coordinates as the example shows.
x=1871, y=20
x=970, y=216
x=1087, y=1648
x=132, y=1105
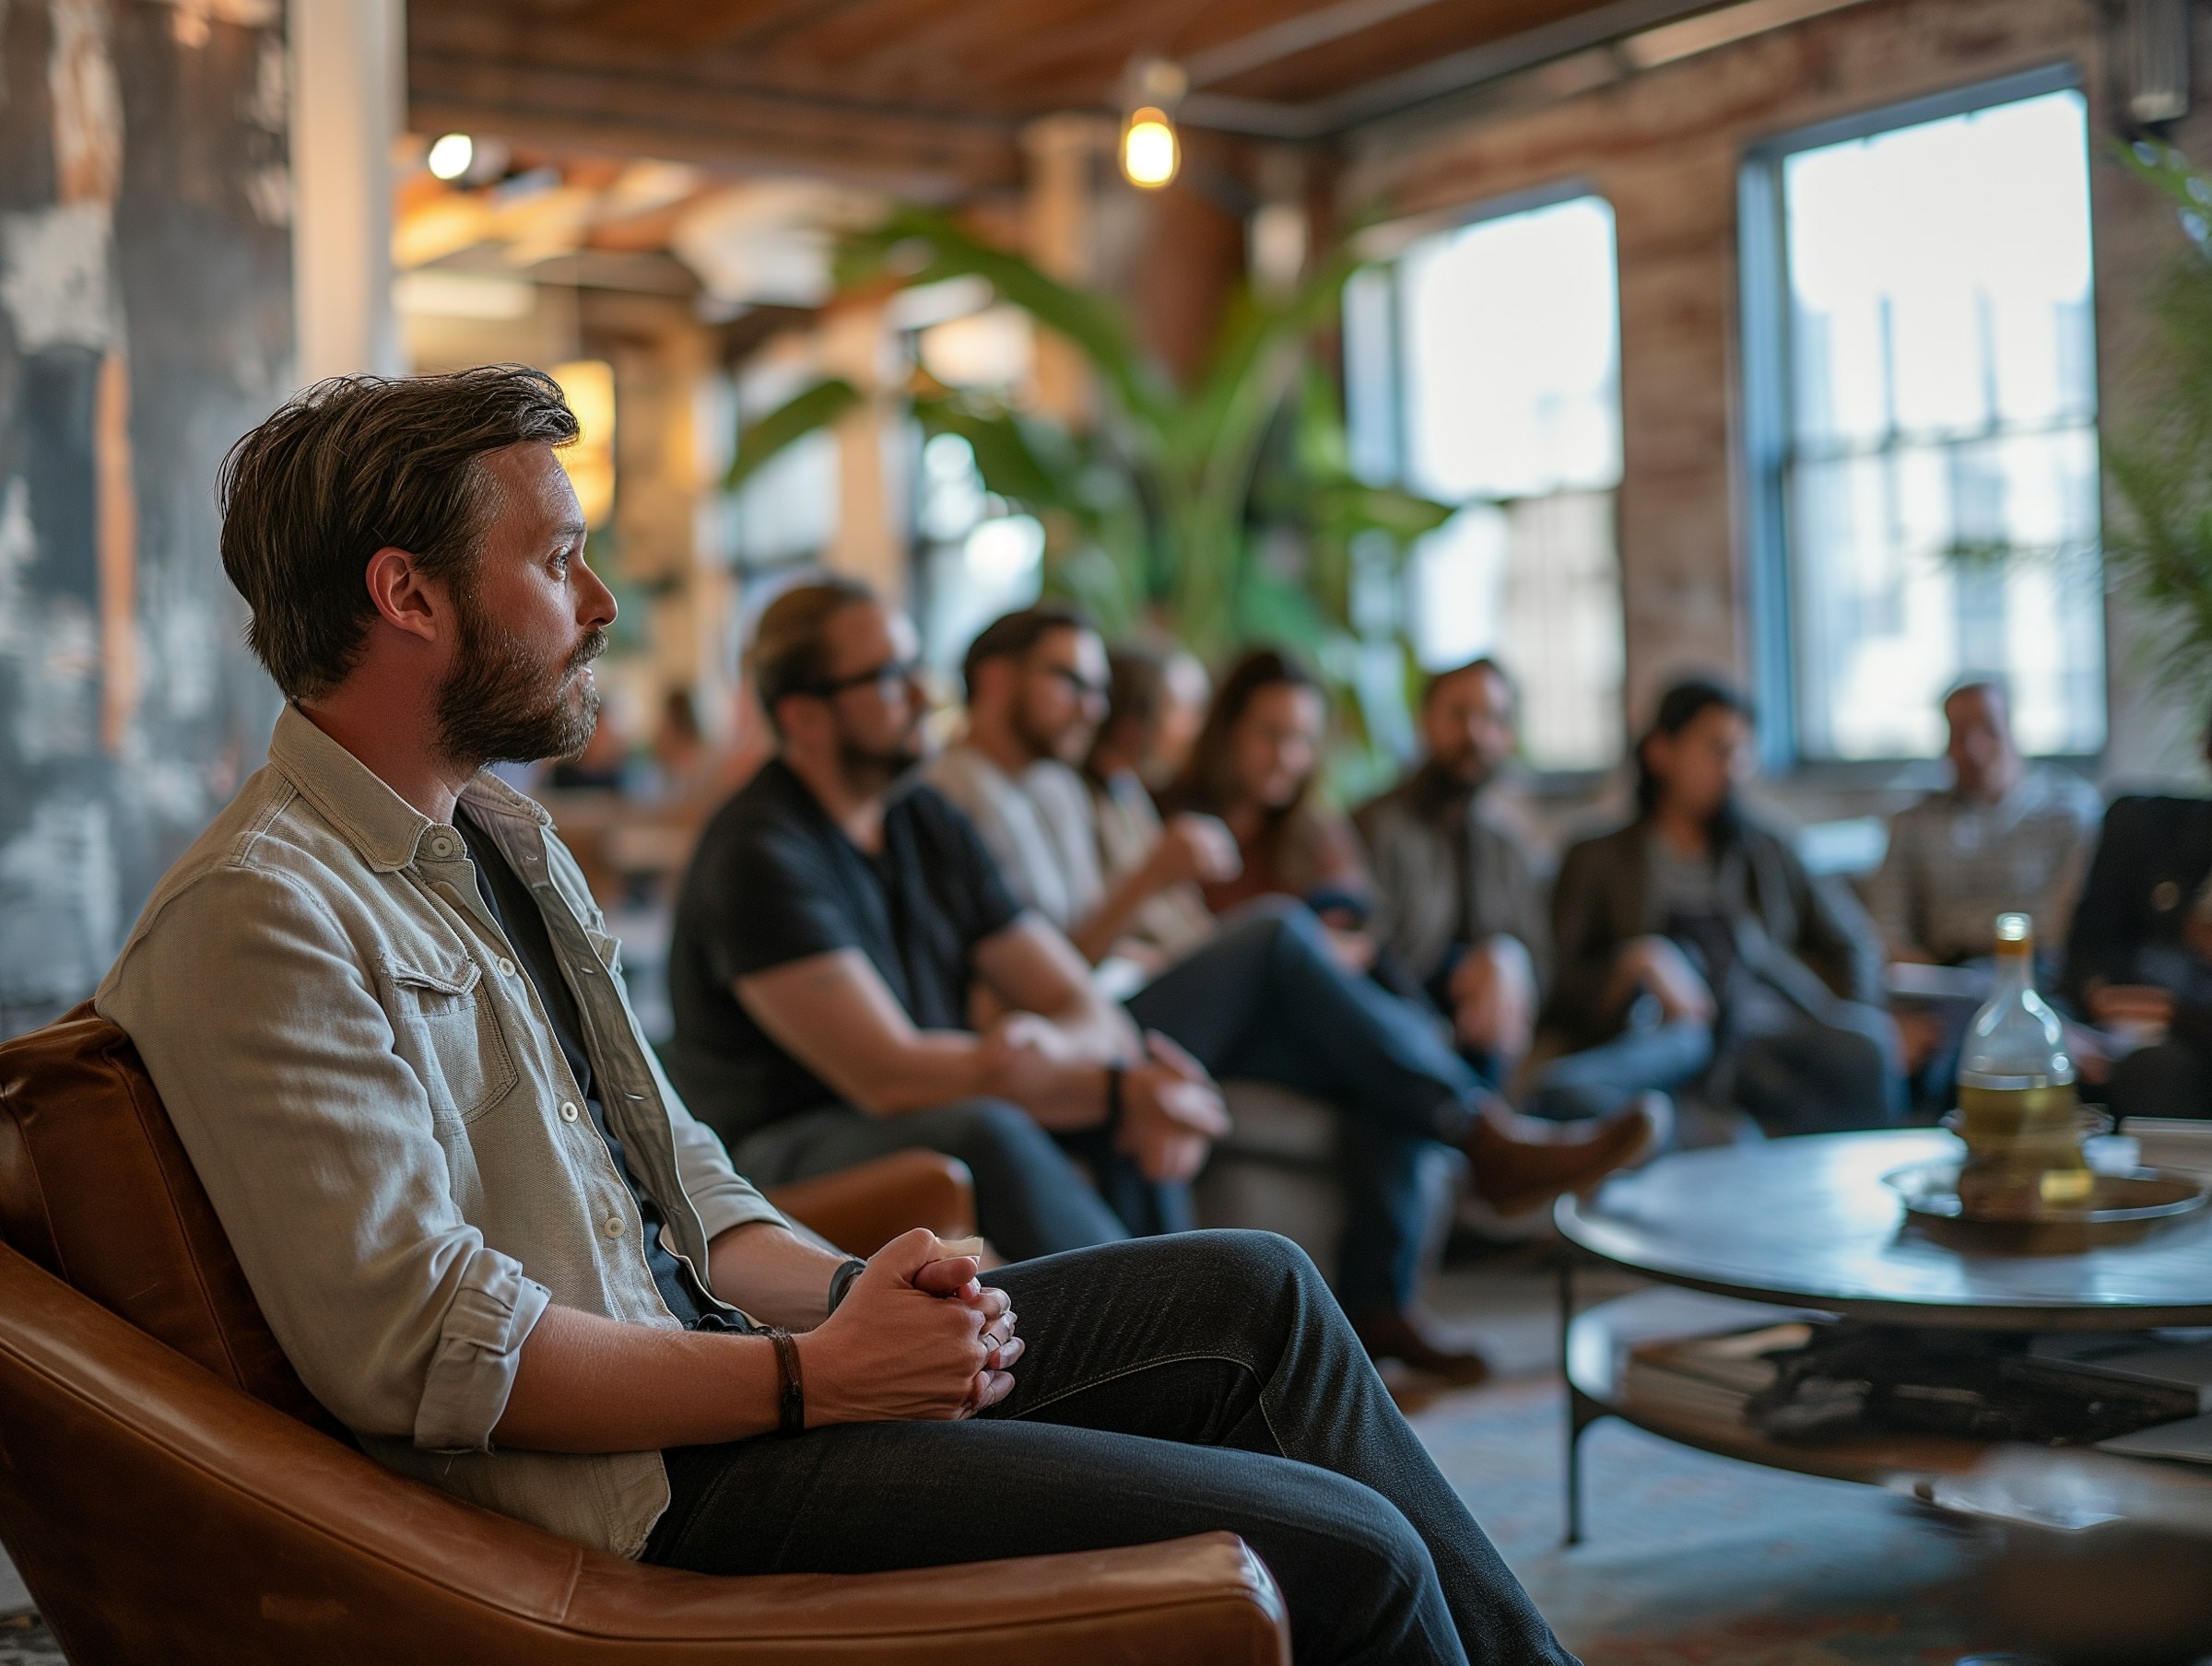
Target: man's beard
x=1041, y=744
x=870, y=769
x=501, y=703
x=1464, y=773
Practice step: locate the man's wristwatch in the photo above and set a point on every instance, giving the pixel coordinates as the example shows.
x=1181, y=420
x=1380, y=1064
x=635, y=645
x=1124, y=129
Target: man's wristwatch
x=841, y=1282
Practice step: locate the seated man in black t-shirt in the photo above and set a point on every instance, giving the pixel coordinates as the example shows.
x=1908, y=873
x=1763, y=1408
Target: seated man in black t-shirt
x=836, y=922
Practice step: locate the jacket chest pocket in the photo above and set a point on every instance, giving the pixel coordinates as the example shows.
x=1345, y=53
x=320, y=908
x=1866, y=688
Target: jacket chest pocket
x=447, y=1028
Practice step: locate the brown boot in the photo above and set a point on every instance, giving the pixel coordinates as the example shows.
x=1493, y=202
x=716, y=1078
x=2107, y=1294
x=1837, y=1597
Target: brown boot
x=1521, y=1162
x=1410, y=1336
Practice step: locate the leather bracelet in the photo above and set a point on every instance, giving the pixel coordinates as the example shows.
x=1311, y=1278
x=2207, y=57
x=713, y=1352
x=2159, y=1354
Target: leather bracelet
x=841, y=1282
x=1115, y=1073
x=791, y=1394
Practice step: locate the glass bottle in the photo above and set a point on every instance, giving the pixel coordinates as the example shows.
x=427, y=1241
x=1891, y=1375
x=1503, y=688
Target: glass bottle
x=2017, y=1108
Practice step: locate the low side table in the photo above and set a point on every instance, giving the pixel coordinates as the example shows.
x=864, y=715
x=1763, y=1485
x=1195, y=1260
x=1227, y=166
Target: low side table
x=1808, y=1225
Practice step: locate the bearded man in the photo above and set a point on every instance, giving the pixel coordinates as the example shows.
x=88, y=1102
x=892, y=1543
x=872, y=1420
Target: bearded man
x=389, y=1025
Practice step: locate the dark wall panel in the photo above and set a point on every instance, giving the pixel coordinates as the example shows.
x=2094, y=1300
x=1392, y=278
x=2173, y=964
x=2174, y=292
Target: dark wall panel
x=144, y=323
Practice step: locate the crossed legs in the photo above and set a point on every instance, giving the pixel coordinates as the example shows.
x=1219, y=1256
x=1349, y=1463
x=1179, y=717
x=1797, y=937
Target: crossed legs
x=1172, y=1385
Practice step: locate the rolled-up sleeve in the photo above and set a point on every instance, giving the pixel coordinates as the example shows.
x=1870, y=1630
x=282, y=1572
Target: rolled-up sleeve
x=472, y=1368
x=314, y=1142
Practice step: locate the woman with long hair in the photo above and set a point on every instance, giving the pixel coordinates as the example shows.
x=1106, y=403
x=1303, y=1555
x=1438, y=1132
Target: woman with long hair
x=1696, y=931
x=1255, y=766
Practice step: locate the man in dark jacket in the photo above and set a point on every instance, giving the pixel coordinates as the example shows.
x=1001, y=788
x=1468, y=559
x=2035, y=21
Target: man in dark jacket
x=1695, y=923
x=2139, y=955
x=1458, y=903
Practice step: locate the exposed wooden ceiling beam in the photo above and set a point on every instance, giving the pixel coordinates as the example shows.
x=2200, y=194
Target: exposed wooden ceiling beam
x=1455, y=71
x=628, y=111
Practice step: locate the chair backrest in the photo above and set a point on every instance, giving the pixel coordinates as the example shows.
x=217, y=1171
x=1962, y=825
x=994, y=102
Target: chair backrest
x=96, y=1188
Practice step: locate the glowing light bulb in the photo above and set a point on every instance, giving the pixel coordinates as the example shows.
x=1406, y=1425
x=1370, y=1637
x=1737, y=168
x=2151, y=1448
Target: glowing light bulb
x=1149, y=153
x=450, y=156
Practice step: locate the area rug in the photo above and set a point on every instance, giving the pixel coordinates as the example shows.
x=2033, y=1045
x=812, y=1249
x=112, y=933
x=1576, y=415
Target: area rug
x=1693, y=1560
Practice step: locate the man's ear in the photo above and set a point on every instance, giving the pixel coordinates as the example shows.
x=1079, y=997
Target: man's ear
x=403, y=598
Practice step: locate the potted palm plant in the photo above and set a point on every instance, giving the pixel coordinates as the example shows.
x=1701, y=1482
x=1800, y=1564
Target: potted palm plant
x=1219, y=513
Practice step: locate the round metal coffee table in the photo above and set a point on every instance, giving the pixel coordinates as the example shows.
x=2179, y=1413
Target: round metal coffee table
x=1808, y=1225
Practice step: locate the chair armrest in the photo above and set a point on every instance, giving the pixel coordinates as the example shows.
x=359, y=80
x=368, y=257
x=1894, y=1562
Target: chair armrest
x=158, y=1514
x=863, y=1208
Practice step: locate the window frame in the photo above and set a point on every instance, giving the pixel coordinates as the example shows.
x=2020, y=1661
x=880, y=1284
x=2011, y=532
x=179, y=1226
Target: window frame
x=1383, y=246
x=1765, y=446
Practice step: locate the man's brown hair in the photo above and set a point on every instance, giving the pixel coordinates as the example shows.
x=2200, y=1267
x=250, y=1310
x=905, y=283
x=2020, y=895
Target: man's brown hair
x=787, y=655
x=356, y=464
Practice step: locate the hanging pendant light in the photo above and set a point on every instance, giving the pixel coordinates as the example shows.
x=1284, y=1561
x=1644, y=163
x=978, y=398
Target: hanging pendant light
x=1151, y=149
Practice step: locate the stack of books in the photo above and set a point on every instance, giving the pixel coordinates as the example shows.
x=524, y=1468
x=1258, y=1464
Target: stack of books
x=1707, y=1379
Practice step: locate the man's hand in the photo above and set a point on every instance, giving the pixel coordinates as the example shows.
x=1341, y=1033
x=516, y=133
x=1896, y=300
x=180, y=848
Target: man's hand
x=1655, y=964
x=1199, y=847
x=1171, y=1111
x=916, y=1338
x=1493, y=991
x=1023, y=1057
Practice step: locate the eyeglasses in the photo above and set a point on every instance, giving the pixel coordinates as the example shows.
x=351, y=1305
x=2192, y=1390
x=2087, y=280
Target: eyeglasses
x=1081, y=687
x=892, y=677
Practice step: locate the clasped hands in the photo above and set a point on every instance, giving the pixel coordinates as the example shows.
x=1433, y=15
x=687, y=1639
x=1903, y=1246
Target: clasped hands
x=918, y=1338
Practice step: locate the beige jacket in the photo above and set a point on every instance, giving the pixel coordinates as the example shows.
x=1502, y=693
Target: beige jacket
x=371, y=1093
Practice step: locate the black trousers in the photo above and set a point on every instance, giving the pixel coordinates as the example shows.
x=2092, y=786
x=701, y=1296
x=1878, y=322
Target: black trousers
x=1173, y=1385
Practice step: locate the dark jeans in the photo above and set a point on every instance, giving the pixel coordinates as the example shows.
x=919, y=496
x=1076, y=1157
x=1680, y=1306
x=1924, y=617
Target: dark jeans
x=1266, y=1001
x=1799, y=1071
x=1601, y=1080
x=1173, y=1385
x=1030, y=1198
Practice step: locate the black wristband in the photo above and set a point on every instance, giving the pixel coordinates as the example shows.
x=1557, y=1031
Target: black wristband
x=841, y=1282
x=791, y=1394
x=1114, y=1096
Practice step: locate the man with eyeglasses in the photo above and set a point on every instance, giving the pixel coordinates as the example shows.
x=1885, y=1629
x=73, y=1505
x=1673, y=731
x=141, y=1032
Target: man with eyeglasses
x=838, y=932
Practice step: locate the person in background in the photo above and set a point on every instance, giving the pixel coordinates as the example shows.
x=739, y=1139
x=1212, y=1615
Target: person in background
x=1460, y=908
x=1253, y=767
x=1458, y=902
x=682, y=760
x=2139, y=961
x=1696, y=921
x=830, y=938
x=1157, y=699
x=1258, y=996
x=2005, y=836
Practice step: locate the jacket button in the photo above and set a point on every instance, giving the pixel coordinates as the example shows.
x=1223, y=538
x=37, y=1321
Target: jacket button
x=614, y=1226
x=568, y=1110
x=506, y=966
x=440, y=845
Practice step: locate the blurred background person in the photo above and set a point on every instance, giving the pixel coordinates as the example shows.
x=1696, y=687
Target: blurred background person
x=1458, y=902
x=2005, y=836
x=1696, y=933
x=1253, y=767
x=2140, y=955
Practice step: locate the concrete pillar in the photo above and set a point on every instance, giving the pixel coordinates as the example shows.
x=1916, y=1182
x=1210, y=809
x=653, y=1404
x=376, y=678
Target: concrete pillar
x=348, y=70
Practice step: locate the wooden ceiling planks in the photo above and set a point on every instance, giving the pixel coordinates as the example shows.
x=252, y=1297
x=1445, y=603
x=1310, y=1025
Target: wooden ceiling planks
x=900, y=91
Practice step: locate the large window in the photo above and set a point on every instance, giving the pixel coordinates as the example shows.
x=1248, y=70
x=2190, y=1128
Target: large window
x=1922, y=420
x=1484, y=370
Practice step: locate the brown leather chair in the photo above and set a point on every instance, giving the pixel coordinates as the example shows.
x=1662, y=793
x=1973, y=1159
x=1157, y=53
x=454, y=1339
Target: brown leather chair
x=172, y=1494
